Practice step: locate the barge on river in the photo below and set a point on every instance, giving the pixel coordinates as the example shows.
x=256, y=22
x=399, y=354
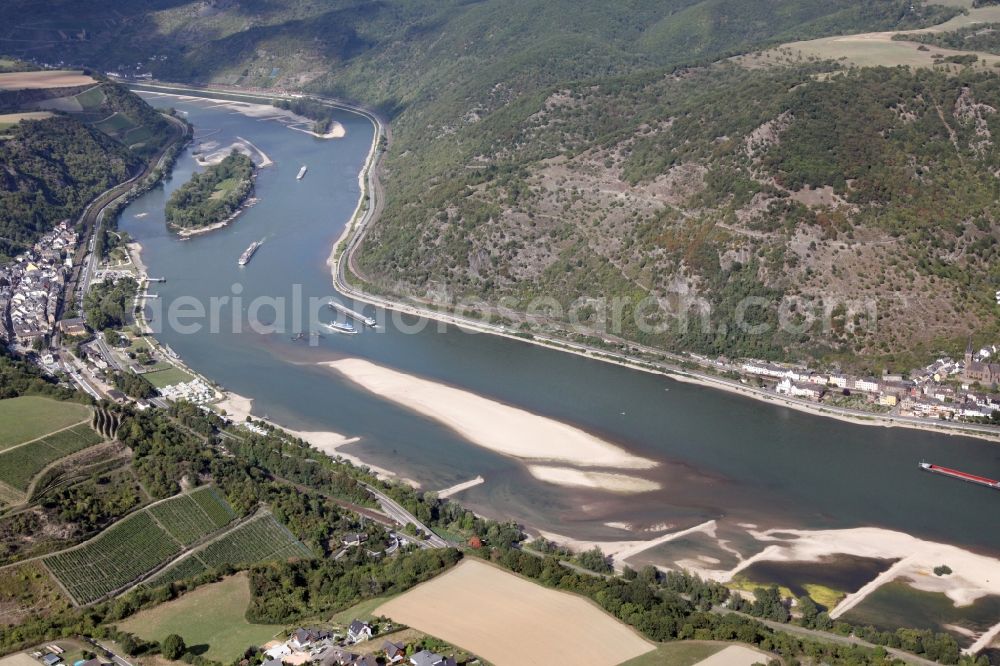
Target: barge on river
x=961, y=476
x=357, y=316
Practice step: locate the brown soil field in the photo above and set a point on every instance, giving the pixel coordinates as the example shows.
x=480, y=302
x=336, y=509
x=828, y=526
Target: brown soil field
x=14, y=118
x=43, y=79
x=506, y=619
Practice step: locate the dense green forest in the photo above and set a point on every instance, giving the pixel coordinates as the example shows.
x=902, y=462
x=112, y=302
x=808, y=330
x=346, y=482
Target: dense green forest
x=979, y=37
x=52, y=169
x=867, y=185
x=212, y=196
x=108, y=305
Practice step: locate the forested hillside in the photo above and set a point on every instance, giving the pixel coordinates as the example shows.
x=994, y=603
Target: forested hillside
x=99, y=137
x=500, y=109
x=717, y=183
x=51, y=169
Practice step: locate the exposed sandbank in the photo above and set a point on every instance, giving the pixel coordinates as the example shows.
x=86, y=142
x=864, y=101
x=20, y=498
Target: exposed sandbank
x=459, y=487
x=238, y=408
x=578, y=478
x=622, y=550
x=492, y=425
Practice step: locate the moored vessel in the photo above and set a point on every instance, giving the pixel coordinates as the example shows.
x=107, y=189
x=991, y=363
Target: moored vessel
x=962, y=476
x=342, y=328
x=343, y=309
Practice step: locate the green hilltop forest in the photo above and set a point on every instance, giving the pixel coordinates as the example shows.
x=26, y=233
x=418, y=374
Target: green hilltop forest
x=512, y=121
x=212, y=196
x=55, y=166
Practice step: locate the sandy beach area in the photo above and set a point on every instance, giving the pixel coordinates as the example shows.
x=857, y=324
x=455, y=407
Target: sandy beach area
x=578, y=478
x=492, y=425
x=974, y=576
x=238, y=407
x=622, y=550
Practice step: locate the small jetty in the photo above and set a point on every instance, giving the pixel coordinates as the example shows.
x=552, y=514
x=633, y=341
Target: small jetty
x=356, y=316
x=152, y=279
x=961, y=476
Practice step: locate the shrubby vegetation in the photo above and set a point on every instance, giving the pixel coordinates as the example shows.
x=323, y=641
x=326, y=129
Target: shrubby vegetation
x=978, y=37
x=214, y=195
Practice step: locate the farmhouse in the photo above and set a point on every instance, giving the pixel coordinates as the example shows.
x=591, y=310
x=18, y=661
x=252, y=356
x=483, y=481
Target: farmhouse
x=359, y=631
x=428, y=658
x=394, y=652
x=354, y=539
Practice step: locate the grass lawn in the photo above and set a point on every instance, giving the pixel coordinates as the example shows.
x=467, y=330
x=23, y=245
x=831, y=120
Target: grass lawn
x=223, y=188
x=167, y=377
x=681, y=653
x=29, y=417
x=211, y=620
x=362, y=611
x=91, y=99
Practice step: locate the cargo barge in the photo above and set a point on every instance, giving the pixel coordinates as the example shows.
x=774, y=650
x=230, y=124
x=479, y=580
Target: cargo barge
x=961, y=476
x=248, y=253
x=357, y=316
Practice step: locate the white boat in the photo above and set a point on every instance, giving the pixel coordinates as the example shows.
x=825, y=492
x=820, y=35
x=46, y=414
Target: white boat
x=341, y=328
x=248, y=253
x=302, y=172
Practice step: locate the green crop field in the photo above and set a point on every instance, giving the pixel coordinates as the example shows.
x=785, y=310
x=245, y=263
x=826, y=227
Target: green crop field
x=213, y=504
x=28, y=417
x=138, y=544
x=187, y=568
x=167, y=377
x=91, y=99
x=117, y=556
x=19, y=465
x=190, y=517
x=212, y=615
x=116, y=126
x=259, y=540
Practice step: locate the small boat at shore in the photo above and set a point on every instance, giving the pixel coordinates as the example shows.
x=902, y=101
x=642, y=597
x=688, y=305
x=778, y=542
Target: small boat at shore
x=342, y=328
x=961, y=476
x=302, y=172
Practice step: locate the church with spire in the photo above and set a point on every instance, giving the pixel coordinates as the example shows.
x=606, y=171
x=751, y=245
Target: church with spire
x=977, y=371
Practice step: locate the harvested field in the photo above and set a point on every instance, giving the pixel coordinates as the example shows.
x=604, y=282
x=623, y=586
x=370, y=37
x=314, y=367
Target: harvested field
x=11, y=119
x=19, y=659
x=735, y=655
x=43, y=79
x=502, y=617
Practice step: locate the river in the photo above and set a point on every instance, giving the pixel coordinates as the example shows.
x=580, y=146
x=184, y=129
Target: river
x=720, y=456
